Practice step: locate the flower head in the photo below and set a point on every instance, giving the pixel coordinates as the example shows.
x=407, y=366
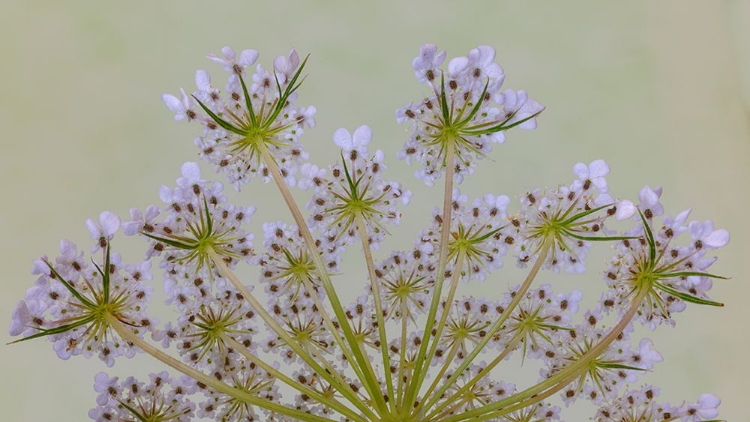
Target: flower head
x=249, y=120
x=466, y=113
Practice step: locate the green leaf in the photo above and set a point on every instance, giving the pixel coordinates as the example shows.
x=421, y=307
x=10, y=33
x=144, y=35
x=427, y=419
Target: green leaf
x=598, y=238
x=70, y=287
x=43, y=332
x=221, y=122
x=618, y=366
x=352, y=185
x=584, y=214
x=692, y=273
x=170, y=242
x=248, y=102
x=686, y=297
x=284, y=96
x=105, y=275
x=209, y=221
x=501, y=126
x=488, y=234
x=444, y=101
x=650, y=240
x=133, y=412
x=522, y=121
x=476, y=106
x=291, y=87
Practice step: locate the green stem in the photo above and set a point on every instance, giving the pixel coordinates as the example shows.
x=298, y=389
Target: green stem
x=369, y=380
x=493, y=329
x=375, y=287
x=508, y=348
x=420, y=364
x=558, y=381
x=330, y=402
x=456, y=405
x=402, y=354
x=332, y=377
x=441, y=325
x=237, y=394
x=329, y=324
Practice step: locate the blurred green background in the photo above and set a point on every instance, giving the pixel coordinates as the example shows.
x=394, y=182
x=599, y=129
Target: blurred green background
x=661, y=90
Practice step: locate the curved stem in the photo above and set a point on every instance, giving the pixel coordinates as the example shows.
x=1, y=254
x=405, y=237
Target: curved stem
x=332, y=377
x=302, y=388
x=558, y=381
x=329, y=324
x=402, y=354
x=237, y=394
x=456, y=405
x=506, y=351
x=375, y=287
x=448, y=360
x=441, y=325
x=369, y=380
x=493, y=329
x=420, y=364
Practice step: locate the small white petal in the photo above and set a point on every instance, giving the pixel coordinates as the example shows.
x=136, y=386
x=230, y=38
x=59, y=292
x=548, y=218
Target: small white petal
x=19, y=318
x=457, y=65
x=427, y=51
x=708, y=404
x=93, y=228
x=487, y=55
x=191, y=171
x=599, y=168
x=581, y=170
x=625, y=210
x=228, y=52
x=110, y=222
x=362, y=135
x=202, y=80
x=67, y=248
x=173, y=103
x=165, y=194
x=717, y=239
x=342, y=139
x=247, y=57
x=648, y=197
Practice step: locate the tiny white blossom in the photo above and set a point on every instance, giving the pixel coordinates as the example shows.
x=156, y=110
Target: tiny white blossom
x=103, y=230
x=353, y=142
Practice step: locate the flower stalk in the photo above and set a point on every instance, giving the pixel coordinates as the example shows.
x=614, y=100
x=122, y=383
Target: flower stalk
x=354, y=354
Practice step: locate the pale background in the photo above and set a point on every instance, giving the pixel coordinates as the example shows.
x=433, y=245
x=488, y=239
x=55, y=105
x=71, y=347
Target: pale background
x=660, y=89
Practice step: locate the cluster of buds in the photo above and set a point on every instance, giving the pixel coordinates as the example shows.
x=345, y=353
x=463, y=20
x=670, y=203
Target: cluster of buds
x=408, y=349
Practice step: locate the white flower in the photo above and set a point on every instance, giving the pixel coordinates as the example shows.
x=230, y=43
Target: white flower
x=650, y=205
x=286, y=66
x=104, y=230
x=106, y=387
x=191, y=177
x=230, y=61
x=646, y=355
x=707, y=404
x=180, y=106
x=704, y=235
x=357, y=142
x=427, y=62
x=593, y=174
x=482, y=60
x=625, y=210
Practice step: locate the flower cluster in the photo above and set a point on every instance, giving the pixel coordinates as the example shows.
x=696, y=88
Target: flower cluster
x=411, y=347
x=75, y=303
x=466, y=112
x=248, y=118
